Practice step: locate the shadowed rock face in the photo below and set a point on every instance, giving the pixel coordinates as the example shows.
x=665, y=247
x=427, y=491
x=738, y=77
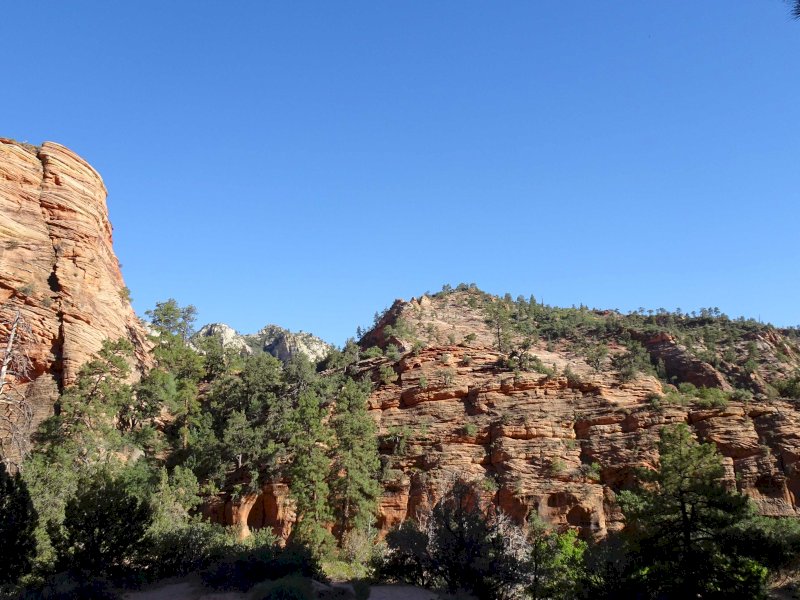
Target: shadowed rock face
x=57, y=265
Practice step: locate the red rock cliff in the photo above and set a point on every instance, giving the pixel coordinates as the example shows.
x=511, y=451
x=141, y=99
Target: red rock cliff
x=57, y=265
x=558, y=445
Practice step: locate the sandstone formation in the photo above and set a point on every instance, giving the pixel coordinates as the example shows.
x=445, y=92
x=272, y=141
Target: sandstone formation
x=57, y=266
x=559, y=445
x=277, y=341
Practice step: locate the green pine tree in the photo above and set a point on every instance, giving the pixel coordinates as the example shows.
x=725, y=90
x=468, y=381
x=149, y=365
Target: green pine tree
x=354, y=486
x=308, y=473
x=680, y=521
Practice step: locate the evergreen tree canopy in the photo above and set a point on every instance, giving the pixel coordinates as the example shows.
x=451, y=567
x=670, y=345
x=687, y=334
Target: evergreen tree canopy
x=679, y=521
x=354, y=486
x=18, y=521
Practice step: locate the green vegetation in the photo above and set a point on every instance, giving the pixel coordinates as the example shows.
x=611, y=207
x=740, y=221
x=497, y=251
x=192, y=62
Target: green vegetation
x=464, y=549
x=687, y=393
x=111, y=494
x=355, y=461
x=18, y=521
x=119, y=471
x=688, y=536
x=707, y=335
x=104, y=527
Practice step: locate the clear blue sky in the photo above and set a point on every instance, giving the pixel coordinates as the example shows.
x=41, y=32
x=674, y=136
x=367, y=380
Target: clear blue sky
x=305, y=163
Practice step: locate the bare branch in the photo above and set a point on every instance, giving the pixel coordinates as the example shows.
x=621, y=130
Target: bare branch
x=16, y=412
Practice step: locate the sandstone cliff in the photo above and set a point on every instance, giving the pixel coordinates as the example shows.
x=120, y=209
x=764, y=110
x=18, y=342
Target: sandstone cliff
x=57, y=266
x=561, y=444
x=551, y=428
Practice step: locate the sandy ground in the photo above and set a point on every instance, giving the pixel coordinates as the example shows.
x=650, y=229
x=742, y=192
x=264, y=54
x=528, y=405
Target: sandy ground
x=183, y=589
x=192, y=589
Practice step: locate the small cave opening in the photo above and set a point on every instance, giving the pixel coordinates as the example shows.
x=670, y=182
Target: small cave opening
x=579, y=516
x=255, y=518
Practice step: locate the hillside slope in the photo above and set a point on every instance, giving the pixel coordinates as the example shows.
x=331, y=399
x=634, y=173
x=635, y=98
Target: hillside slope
x=543, y=405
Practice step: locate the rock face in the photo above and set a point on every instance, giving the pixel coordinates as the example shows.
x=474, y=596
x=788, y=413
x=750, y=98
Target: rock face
x=57, y=266
x=277, y=341
x=558, y=446
x=559, y=443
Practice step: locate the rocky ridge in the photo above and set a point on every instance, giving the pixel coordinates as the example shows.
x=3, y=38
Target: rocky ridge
x=58, y=268
x=561, y=444
x=277, y=341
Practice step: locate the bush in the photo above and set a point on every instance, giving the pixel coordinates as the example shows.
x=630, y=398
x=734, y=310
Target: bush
x=372, y=352
x=462, y=549
x=243, y=569
x=187, y=548
x=469, y=429
x=387, y=374
x=712, y=398
x=573, y=378
x=291, y=587
x=789, y=388
x=104, y=527
x=393, y=352
x=636, y=360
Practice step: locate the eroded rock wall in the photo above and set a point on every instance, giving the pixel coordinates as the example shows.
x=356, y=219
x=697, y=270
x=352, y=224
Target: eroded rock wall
x=57, y=266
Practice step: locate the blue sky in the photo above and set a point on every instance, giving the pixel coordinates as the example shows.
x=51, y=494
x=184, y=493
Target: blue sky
x=305, y=163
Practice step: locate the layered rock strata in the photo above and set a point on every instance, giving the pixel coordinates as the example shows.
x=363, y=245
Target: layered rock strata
x=558, y=444
x=58, y=268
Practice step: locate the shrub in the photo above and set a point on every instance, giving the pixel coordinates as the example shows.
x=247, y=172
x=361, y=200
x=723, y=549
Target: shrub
x=447, y=377
x=789, y=388
x=469, y=429
x=387, y=374
x=573, y=378
x=372, y=352
x=591, y=471
x=186, y=548
x=291, y=587
x=243, y=569
x=393, y=352
x=742, y=395
x=556, y=466
x=461, y=548
x=711, y=398
x=636, y=360
x=104, y=527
